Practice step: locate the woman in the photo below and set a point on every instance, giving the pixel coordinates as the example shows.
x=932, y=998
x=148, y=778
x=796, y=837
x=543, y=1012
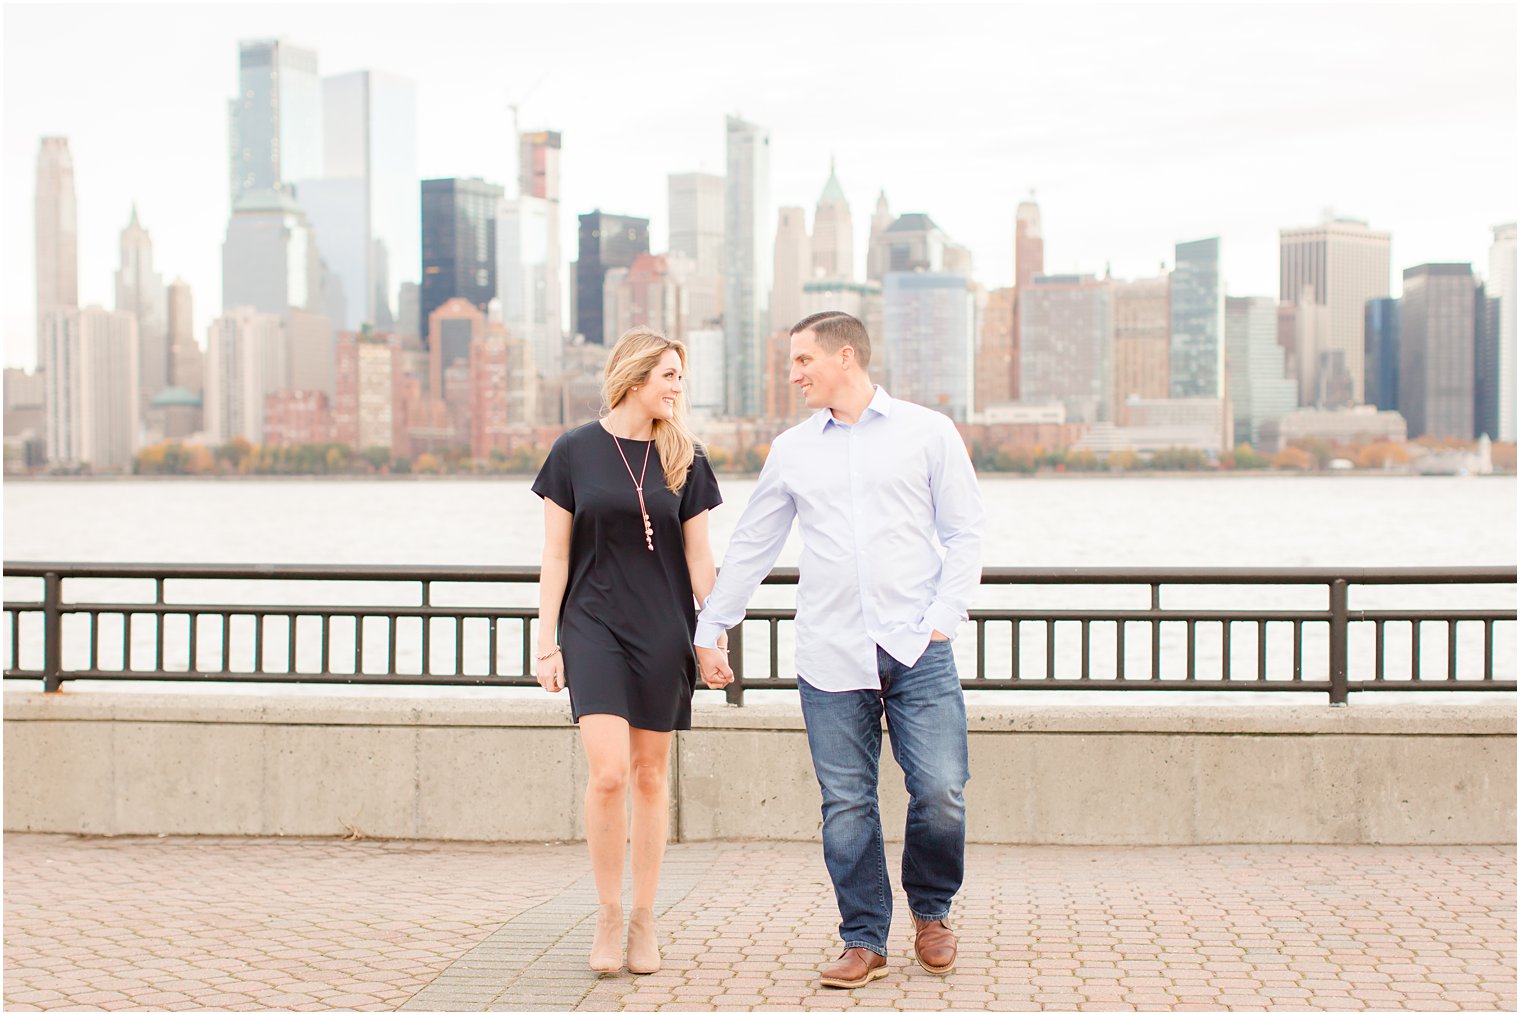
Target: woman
x=626, y=499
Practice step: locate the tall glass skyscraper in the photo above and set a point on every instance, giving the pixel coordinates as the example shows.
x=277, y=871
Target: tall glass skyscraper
x=458, y=244
x=747, y=264
x=276, y=119
x=1197, y=346
x=1437, y=351
x=1261, y=392
x=57, y=236
x=364, y=207
x=929, y=339
x=1066, y=334
x=1339, y=265
x=606, y=242
x=1381, y=352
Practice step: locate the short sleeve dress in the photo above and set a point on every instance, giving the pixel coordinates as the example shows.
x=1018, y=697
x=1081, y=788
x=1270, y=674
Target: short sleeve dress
x=628, y=618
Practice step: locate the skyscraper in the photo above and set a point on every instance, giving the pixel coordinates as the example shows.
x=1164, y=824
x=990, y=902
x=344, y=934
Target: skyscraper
x=530, y=254
x=1381, y=352
x=994, y=351
x=876, y=245
x=746, y=264
x=1340, y=264
x=696, y=233
x=275, y=128
x=1501, y=286
x=792, y=266
x=1261, y=392
x=1197, y=344
x=458, y=244
x=1028, y=244
x=1486, y=381
x=57, y=231
x=140, y=292
x=269, y=258
x=1437, y=350
x=1066, y=345
x=929, y=339
x=606, y=242
x=186, y=366
x=1142, y=318
x=364, y=206
x=833, y=233
x=246, y=360
x=91, y=401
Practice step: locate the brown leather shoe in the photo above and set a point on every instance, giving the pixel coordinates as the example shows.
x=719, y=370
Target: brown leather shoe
x=934, y=945
x=856, y=968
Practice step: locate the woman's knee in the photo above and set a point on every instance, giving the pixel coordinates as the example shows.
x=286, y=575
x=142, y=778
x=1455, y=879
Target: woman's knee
x=608, y=780
x=650, y=778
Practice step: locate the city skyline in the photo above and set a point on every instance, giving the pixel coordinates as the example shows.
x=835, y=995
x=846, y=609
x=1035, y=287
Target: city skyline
x=1382, y=118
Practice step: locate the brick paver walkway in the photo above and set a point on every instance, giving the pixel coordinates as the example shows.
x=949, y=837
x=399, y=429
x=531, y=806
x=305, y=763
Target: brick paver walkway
x=308, y=924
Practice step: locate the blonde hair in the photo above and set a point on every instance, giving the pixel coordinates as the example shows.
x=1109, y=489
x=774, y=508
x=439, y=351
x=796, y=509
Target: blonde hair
x=630, y=363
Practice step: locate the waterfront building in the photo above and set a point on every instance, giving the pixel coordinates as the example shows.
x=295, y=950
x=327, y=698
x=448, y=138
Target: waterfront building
x=747, y=263
x=995, y=351
x=275, y=128
x=876, y=245
x=704, y=371
x=1486, y=380
x=606, y=242
x=452, y=330
x=270, y=260
x=247, y=358
x=783, y=401
x=1066, y=345
x=929, y=340
x=861, y=300
x=1380, y=352
x=368, y=370
x=409, y=305
x=791, y=267
x=1142, y=342
x=1341, y=264
x=312, y=351
x=297, y=416
x=1501, y=286
x=650, y=293
x=1260, y=389
x=530, y=253
x=175, y=414
x=1437, y=350
x=57, y=232
x=1197, y=307
x=833, y=233
x=503, y=391
x=186, y=361
x=458, y=245
x=91, y=404
x=25, y=443
x=1160, y=424
x=364, y=204
x=1357, y=424
x=696, y=233
x=140, y=292
x=1028, y=261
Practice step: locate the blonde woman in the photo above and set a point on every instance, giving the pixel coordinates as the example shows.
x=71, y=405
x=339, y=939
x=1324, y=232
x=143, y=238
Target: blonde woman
x=626, y=557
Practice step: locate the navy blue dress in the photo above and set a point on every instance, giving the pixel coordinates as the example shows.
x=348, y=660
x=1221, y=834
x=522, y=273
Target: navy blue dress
x=628, y=617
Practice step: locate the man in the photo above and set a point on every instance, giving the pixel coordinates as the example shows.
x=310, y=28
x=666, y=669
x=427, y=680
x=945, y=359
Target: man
x=891, y=521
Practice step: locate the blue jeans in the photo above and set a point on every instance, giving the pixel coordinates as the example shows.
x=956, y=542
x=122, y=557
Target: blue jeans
x=926, y=719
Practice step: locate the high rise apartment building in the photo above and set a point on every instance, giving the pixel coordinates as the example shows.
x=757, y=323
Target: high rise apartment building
x=368, y=369
x=458, y=244
x=995, y=351
x=833, y=233
x=1142, y=342
x=606, y=242
x=56, y=232
x=1437, y=350
x=696, y=234
x=529, y=252
x=186, y=361
x=91, y=403
x=1028, y=262
x=791, y=267
x=247, y=359
x=1066, y=345
x=1261, y=391
x=1500, y=286
x=1339, y=264
x=929, y=340
x=1197, y=341
x=140, y=292
x=747, y=264
x=275, y=130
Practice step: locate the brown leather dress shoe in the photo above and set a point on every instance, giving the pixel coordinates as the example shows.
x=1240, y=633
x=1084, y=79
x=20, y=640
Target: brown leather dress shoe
x=934, y=945
x=855, y=968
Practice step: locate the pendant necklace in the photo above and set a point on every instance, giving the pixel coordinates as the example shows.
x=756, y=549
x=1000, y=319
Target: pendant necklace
x=638, y=485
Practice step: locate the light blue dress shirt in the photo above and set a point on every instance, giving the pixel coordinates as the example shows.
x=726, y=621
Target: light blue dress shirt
x=891, y=520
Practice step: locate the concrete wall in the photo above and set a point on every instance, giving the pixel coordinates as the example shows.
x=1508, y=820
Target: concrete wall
x=117, y=764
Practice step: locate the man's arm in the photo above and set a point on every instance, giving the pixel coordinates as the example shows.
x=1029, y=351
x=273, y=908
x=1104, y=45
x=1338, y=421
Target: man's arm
x=752, y=551
x=958, y=519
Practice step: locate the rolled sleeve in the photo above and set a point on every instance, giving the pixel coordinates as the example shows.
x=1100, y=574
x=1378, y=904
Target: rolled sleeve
x=752, y=551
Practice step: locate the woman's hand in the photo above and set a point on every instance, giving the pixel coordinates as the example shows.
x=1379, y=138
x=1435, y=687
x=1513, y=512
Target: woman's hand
x=551, y=673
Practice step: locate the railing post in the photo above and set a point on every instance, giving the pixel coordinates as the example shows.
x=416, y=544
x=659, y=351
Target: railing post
x=1339, y=686
x=52, y=632
x=734, y=692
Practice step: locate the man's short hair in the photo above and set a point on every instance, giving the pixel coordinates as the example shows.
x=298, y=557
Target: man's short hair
x=836, y=329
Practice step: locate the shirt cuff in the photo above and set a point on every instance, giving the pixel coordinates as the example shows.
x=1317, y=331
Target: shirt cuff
x=707, y=634
x=943, y=618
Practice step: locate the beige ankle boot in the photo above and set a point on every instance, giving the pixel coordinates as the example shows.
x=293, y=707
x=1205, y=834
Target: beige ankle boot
x=606, y=950
x=643, y=942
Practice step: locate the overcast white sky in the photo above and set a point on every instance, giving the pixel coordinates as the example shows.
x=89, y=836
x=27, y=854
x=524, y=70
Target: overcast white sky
x=1137, y=125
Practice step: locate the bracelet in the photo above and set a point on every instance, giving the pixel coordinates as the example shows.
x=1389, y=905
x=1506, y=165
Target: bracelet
x=550, y=654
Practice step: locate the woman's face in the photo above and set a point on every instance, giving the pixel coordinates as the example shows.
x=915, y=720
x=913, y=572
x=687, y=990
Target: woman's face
x=657, y=395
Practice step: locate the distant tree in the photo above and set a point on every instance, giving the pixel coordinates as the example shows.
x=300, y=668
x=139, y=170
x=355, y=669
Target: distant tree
x=1179, y=459
x=428, y=464
x=1082, y=461
x=1246, y=457
x=1381, y=455
x=376, y=458
x=1122, y=461
x=1293, y=458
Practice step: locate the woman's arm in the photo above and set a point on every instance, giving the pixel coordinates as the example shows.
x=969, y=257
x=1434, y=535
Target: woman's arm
x=699, y=556
x=554, y=574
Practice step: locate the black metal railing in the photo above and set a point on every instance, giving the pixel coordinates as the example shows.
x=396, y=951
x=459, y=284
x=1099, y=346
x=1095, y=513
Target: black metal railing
x=1331, y=648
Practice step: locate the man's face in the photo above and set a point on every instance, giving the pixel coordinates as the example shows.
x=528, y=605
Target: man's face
x=818, y=372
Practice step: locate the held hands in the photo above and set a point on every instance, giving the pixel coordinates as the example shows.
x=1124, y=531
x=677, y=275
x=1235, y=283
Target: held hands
x=551, y=671
x=712, y=664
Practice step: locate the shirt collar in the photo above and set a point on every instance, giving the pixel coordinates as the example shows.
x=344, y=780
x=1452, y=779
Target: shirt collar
x=881, y=404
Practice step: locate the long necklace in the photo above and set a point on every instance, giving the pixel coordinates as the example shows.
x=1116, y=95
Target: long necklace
x=638, y=485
